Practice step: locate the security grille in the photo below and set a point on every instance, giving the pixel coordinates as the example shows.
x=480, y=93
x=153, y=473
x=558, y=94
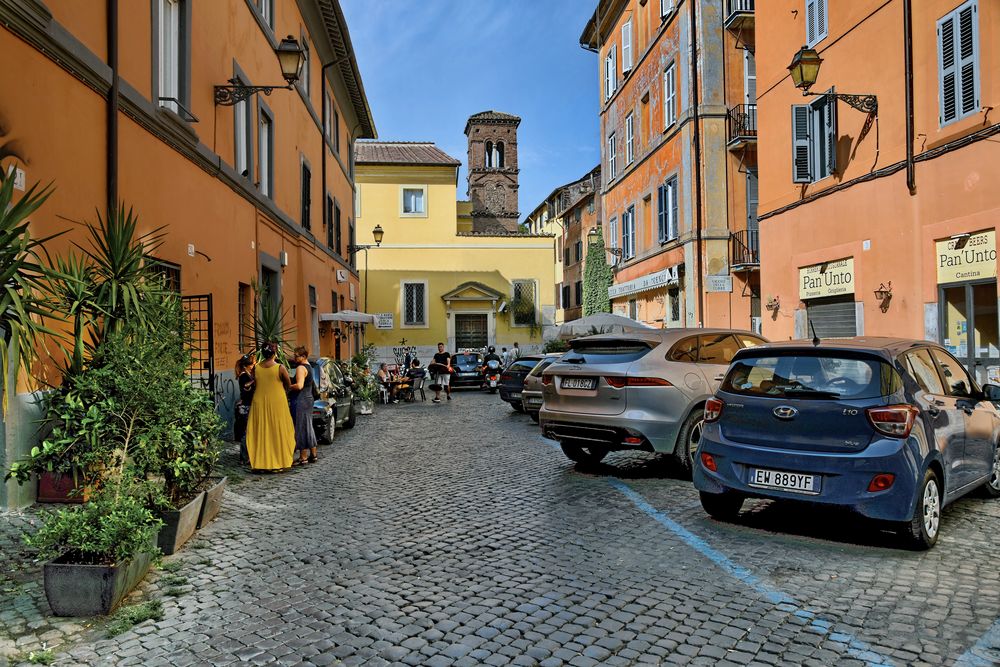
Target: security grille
x=523, y=305
x=198, y=310
x=413, y=304
x=832, y=317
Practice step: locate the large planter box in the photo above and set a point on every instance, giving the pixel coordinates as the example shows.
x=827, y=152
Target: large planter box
x=179, y=525
x=57, y=487
x=91, y=590
x=213, y=502
x=366, y=407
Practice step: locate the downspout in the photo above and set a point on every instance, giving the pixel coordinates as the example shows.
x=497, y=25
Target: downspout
x=911, y=176
x=322, y=136
x=112, y=121
x=697, y=162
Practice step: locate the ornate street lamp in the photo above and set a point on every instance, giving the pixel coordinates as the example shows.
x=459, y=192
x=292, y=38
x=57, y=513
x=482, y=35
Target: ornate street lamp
x=377, y=234
x=804, y=71
x=617, y=253
x=290, y=59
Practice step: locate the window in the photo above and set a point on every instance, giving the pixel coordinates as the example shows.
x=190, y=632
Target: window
x=579, y=292
x=327, y=116
x=627, y=46
x=752, y=198
x=613, y=236
x=666, y=210
x=610, y=73
x=336, y=130
x=245, y=317
x=565, y=297
x=956, y=380
x=306, y=196
x=633, y=309
x=304, y=74
x=170, y=30
x=413, y=201
x=243, y=133
x=488, y=157
x=674, y=295
x=814, y=140
x=628, y=233
x=414, y=304
x=612, y=156
x=590, y=205
x=749, y=77
x=666, y=6
x=328, y=221
x=333, y=301
x=565, y=255
x=670, y=95
x=629, y=139
x=168, y=272
x=923, y=370
x=265, y=151
x=523, y=303
x=958, y=62
x=816, y=22
x=338, y=234
x=267, y=12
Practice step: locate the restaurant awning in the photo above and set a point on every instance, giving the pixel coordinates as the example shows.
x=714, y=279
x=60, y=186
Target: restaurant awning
x=348, y=316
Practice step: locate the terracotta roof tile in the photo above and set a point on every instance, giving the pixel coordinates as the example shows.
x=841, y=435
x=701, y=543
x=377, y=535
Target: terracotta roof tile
x=420, y=153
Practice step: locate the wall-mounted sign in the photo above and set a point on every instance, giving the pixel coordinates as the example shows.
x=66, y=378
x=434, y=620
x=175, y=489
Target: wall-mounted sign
x=341, y=275
x=383, y=320
x=718, y=283
x=967, y=258
x=827, y=279
x=652, y=281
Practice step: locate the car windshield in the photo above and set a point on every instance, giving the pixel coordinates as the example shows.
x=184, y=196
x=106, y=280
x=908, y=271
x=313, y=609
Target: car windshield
x=605, y=351
x=812, y=376
x=466, y=359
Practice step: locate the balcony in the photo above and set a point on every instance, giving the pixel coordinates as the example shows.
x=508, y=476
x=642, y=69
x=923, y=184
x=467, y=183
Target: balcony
x=744, y=250
x=742, y=124
x=739, y=15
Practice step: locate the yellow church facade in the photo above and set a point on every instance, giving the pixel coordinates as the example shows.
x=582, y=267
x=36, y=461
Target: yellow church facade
x=435, y=280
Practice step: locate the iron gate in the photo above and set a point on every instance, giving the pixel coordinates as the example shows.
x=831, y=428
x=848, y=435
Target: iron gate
x=198, y=310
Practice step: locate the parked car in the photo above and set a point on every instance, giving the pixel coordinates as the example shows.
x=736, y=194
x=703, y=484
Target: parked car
x=531, y=393
x=335, y=407
x=466, y=367
x=512, y=379
x=636, y=391
x=894, y=429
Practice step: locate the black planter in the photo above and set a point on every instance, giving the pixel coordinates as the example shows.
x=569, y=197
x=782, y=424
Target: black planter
x=179, y=525
x=213, y=502
x=91, y=590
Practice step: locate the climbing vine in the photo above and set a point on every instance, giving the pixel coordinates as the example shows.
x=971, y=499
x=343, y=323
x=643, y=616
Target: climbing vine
x=597, y=278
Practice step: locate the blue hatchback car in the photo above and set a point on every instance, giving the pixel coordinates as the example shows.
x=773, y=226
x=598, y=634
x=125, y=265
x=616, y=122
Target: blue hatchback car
x=892, y=428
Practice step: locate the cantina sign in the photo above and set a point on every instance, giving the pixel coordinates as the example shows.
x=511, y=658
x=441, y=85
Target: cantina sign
x=829, y=279
x=967, y=258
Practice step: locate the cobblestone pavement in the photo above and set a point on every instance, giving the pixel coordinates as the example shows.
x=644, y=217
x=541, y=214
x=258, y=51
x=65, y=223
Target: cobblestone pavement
x=454, y=534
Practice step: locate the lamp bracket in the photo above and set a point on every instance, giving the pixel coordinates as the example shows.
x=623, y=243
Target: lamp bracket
x=236, y=92
x=863, y=103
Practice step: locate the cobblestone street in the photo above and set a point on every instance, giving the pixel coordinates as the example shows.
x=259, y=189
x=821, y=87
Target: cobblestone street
x=454, y=534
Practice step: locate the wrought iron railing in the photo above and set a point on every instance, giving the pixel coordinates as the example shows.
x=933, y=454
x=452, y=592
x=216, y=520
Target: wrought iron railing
x=742, y=123
x=744, y=248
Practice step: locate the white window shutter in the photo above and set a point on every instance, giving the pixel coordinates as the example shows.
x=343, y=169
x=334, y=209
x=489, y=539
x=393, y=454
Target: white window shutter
x=831, y=134
x=801, y=154
x=811, y=10
x=627, y=46
x=674, y=219
x=967, y=56
x=749, y=77
x=821, y=19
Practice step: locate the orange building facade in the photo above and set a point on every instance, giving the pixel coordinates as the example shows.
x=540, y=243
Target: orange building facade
x=883, y=223
x=678, y=180
x=116, y=101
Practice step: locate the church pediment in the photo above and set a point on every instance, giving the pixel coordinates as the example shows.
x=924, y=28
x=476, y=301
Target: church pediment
x=472, y=291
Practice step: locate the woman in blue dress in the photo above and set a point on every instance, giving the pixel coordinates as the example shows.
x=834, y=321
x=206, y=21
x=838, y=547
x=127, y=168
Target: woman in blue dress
x=300, y=399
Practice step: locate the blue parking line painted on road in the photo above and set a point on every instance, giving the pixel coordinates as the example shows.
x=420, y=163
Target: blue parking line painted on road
x=985, y=652
x=855, y=647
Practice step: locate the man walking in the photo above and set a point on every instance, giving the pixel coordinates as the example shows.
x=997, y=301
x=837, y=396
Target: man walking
x=442, y=373
x=515, y=352
x=504, y=356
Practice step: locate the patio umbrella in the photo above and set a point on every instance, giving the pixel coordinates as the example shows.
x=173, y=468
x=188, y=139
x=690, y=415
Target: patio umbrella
x=599, y=323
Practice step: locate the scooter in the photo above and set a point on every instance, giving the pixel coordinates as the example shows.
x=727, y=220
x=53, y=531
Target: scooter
x=491, y=375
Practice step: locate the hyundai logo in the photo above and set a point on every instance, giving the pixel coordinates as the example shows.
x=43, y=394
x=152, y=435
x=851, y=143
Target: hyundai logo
x=785, y=412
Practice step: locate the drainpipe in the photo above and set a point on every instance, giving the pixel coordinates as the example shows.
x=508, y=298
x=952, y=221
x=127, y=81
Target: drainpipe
x=697, y=161
x=112, y=122
x=911, y=176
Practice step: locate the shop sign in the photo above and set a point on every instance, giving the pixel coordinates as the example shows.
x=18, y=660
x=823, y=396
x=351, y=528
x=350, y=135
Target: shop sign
x=967, y=258
x=827, y=279
x=383, y=320
x=718, y=283
x=652, y=281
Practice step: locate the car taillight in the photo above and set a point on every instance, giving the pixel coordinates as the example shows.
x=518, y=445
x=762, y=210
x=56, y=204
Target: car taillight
x=546, y=380
x=619, y=382
x=896, y=421
x=505, y=377
x=713, y=409
x=708, y=461
x=881, y=482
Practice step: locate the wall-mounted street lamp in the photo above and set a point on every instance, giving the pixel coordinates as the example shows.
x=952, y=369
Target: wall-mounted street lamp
x=805, y=71
x=290, y=59
x=883, y=295
x=617, y=253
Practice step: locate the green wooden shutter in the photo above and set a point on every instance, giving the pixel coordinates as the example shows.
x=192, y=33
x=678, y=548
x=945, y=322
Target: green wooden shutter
x=801, y=153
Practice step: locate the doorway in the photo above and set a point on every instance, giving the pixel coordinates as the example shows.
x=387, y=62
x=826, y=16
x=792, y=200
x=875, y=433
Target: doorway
x=471, y=331
x=969, y=326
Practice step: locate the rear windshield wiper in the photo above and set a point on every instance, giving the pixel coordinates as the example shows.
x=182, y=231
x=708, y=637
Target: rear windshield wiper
x=807, y=391
x=574, y=360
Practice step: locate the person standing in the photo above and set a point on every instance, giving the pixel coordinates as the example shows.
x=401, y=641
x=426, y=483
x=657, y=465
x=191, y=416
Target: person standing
x=245, y=383
x=270, y=433
x=300, y=399
x=515, y=352
x=504, y=356
x=442, y=373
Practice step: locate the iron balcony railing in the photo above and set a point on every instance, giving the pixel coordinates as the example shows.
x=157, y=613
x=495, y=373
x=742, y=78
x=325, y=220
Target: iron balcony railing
x=734, y=7
x=742, y=123
x=744, y=248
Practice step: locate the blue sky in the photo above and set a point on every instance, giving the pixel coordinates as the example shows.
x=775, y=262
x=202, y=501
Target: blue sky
x=427, y=65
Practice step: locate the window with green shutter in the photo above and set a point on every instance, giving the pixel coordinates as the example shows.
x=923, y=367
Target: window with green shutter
x=958, y=62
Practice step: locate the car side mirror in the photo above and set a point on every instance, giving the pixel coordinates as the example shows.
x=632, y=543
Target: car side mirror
x=991, y=392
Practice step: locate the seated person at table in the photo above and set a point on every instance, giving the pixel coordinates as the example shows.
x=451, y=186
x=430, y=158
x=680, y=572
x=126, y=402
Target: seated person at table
x=385, y=380
x=415, y=371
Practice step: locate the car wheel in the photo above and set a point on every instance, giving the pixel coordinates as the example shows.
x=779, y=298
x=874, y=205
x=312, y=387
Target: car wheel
x=922, y=530
x=534, y=416
x=688, y=439
x=722, y=506
x=352, y=417
x=517, y=405
x=587, y=455
x=991, y=489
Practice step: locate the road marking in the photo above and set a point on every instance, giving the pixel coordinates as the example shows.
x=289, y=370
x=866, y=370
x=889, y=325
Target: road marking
x=985, y=652
x=783, y=601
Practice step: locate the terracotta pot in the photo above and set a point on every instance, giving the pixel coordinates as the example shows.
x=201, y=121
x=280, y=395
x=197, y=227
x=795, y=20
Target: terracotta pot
x=57, y=487
x=73, y=589
x=213, y=502
x=179, y=525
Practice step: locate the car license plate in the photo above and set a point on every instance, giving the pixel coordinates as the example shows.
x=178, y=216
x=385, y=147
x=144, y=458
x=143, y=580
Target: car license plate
x=579, y=383
x=515, y=394
x=786, y=481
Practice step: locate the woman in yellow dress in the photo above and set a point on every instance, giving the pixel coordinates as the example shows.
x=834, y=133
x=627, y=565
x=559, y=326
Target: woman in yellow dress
x=270, y=432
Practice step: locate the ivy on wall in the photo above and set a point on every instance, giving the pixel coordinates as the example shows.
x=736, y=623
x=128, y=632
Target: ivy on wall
x=597, y=277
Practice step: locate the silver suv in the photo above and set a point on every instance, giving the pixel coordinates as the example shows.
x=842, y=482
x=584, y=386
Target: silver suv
x=641, y=391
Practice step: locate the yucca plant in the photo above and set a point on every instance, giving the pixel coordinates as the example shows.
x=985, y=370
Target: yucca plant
x=21, y=279
x=70, y=292
x=269, y=320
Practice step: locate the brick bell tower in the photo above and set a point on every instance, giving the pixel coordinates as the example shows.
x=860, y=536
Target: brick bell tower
x=492, y=137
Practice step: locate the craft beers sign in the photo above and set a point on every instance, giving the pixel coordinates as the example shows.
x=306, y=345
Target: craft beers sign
x=965, y=258
x=828, y=279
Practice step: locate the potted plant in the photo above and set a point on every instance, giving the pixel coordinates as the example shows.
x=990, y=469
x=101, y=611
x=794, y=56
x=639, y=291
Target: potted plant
x=97, y=552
